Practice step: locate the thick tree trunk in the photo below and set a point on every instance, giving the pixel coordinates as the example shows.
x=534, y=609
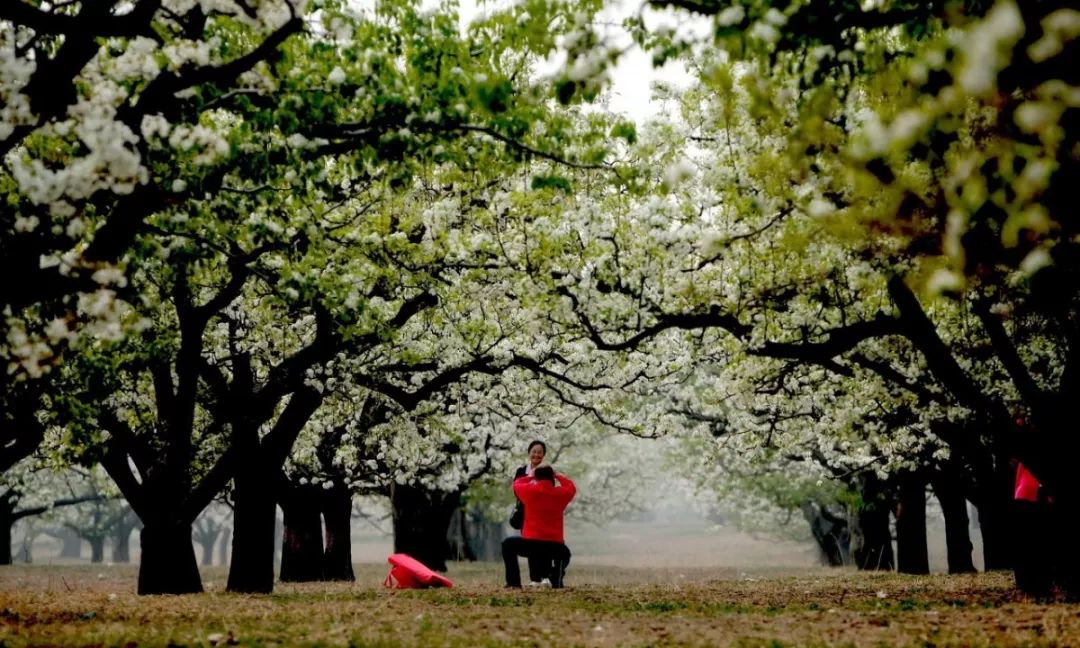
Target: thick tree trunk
x=97, y=549
x=207, y=532
x=6, y=522
x=26, y=551
x=208, y=542
x=483, y=537
x=421, y=520
x=954, y=508
x=871, y=540
x=1063, y=512
x=301, y=537
x=1034, y=551
x=993, y=499
x=223, y=546
x=337, y=516
x=168, y=559
x=457, y=537
x=259, y=480
x=252, y=567
x=471, y=536
x=912, y=556
x=122, y=537
x=830, y=532
x=71, y=544
x=122, y=545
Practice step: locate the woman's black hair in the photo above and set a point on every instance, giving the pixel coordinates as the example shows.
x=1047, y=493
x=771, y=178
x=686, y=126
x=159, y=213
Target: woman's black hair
x=540, y=443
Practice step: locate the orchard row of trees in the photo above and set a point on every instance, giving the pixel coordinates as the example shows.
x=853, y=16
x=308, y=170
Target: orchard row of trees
x=293, y=251
x=866, y=230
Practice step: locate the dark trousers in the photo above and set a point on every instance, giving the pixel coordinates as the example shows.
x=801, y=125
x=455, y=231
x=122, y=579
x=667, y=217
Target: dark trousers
x=537, y=569
x=553, y=557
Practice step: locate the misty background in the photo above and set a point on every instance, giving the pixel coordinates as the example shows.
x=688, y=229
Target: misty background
x=671, y=533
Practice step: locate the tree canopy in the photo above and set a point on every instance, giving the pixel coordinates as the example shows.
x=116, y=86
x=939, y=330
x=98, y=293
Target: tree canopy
x=264, y=242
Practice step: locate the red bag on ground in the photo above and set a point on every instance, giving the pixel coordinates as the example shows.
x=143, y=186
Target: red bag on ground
x=407, y=572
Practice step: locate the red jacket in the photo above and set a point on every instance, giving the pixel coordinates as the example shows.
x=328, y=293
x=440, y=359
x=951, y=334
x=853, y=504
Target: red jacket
x=544, y=505
x=1027, y=487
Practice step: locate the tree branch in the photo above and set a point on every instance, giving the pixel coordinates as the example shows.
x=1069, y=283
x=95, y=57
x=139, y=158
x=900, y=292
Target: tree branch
x=71, y=501
x=160, y=94
x=836, y=342
x=128, y=25
x=891, y=375
x=115, y=463
x=512, y=143
x=1006, y=352
x=918, y=328
x=278, y=442
x=714, y=318
x=212, y=483
x=126, y=441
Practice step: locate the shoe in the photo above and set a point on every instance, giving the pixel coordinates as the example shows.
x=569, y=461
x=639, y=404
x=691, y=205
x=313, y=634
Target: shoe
x=541, y=583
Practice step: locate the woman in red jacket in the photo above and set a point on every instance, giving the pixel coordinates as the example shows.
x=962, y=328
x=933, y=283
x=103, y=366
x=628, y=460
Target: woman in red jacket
x=545, y=495
x=537, y=451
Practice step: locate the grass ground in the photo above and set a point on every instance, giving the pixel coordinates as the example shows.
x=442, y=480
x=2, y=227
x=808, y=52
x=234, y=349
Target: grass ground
x=603, y=606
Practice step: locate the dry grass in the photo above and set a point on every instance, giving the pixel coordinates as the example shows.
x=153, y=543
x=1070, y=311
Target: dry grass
x=604, y=606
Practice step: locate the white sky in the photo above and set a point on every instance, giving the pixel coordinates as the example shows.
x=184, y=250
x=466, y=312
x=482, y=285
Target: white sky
x=634, y=75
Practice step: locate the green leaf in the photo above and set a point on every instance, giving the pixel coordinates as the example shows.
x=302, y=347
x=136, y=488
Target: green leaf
x=551, y=182
x=565, y=90
x=626, y=131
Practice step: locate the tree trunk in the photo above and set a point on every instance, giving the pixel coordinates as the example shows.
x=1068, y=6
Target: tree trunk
x=1063, y=512
x=993, y=499
x=97, y=549
x=337, y=516
x=954, y=509
x=279, y=537
x=301, y=536
x=471, y=536
x=1034, y=551
x=208, y=541
x=26, y=552
x=6, y=522
x=71, y=543
x=168, y=559
x=223, y=546
x=122, y=537
x=457, y=537
x=421, y=520
x=871, y=540
x=830, y=532
x=912, y=554
x=483, y=537
x=252, y=567
x=122, y=546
